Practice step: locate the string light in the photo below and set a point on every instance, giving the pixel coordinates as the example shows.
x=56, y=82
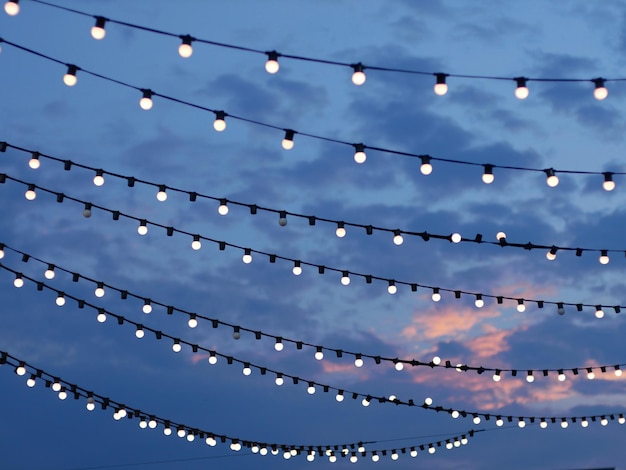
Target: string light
x=220, y=121
x=185, y=50
x=600, y=92
x=488, y=177
x=345, y=278
x=608, y=183
x=97, y=31
x=162, y=194
x=222, y=209
x=70, y=76
x=147, y=307
x=358, y=76
x=359, y=153
x=12, y=7
x=521, y=92
x=551, y=179
x=145, y=102
x=271, y=65
x=143, y=227
x=60, y=300
x=436, y=296
x=34, y=162
x=341, y=231
x=18, y=281
x=139, y=333
x=30, y=193
x=247, y=256
x=426, y=168
x=98, y=180
x=551, y=255
x=604, y=257
x=196, y=244
x=297, y=269
x=441, y=88
x=287, y=142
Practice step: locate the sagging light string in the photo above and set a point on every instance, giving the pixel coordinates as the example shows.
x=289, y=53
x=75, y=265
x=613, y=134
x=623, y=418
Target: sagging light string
x=298, y=265
x=426, y=167
x=280, y=341
x=312, y=385
x=272, y=64
x=398, y=234
x=66, y=389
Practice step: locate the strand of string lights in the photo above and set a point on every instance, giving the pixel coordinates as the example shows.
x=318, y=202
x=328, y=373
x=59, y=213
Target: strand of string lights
x=398, y=234
x=299, y=265
x=312, y=385
x=272, y=65
x=436, y=362
x=360, y=156
x=65, y=389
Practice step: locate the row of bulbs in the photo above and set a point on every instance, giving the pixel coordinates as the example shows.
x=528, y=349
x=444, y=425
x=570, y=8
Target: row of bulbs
x=272, y=65
x=319, y=353
x=367, y=399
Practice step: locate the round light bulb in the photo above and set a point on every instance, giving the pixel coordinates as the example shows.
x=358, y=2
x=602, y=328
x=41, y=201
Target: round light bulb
x=358, y=78
x=196, y=245
x=479, y=303
x=101, y=318
x=21, y=370
x=500, y=236
x=564, y=424
x=340, y=232
x=310, y=390
x=584, y=423
x=91, y=404
x=212, y=360
x=143, y=424
x=441, y=89
x=60, y=301
x=147, y=308
x=530, y=378
x=604, y=259
x=161, y=196
x=30, y=382
x=70, y=79
x=476, y=420
x=185, y=50
x=139, y=333
x=222, y=209
x=426, y=168
x=99, y=292
x=360, y=157
x=176, y=347
x=279, y=381
x=192, y=323
x=11, y=8
x=521, y=308
x=436, y=297
x=550, y=256
x=210, y=441
x=392, y=289
x=98, y=33
x=358, y=362
x=365, y=402
x=30, y=195
x=219, y=125
x=272, y=66
x=345, y=280
x=246, y=371
x=497, y=377
x=599, y=313
x=398, y=240
x=600, y=93
x=521, y=423
x=181, y=433
x=18, y=282
x=455, y=238
x=279, y=346
x=618, y=372
x=553, y=181
x=167, y=431
x=375, y=458
x=561, y=377
x=591, y=375
x=488, y=178
x=432, y=450
x=427, y=401
x=399, y=366
x=247, y=259
x=499, y=422
x=297, y=270
x=287, y=144
x=339, y=397
x=49, y=274
x=608, y=185
x=522, y=92
x=145, y=103
x=142, y=230
x=62, y=395
x=34, y=163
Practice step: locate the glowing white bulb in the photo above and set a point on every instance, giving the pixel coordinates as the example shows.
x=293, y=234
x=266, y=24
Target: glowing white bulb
x=621, y=420
x=399, y=366
x=145, y=103
x=212, y=360
x=297, y=270
x=56, y=386
x=449, y=445
x=49, y=274
x=479, y=303
x=339, y=397
x=97, y=31
x=501, y=236
x=345, y=279
x=210, y=441
x=488, y=178
x=600, y=92
x=30, y=382
x=235, y=446
x=618, y=372
x=551, y=255
x=426, y=168
x=455, y=414
x=564, y=424
x=192, y=323
x=246, y=370
x=436, y=296
x=497, y=377
x=332, y=459
x=167, y=431
x=196, y=244
x=176, y=347
x=543, y=424
x=413, y=453
x=365, y=402
x=476, y=420
x=143, y=424
x=279, y=346
x=360, y=156
x=272, y=66
x=604, y=421
x=101, y=318
x=287, y=144
x=584, y=423
x=436, y=360
x=185, y=50
x=358, y=362
x=310, y=390
x=60, y=301
x=375, y=458
x=34, y=163
x=70, y=78
x=223, y=208
x=161, y=195
x=142, y=229
x=521, y=307
x=428, y=401
x=455, y=238
x=591, y=375
x=247, y=258
x=1, y=252
x=21, y=370
x=91, y=404
x=99, y=292
x=499, y=422
x=392, y=289
x=18, y=282
x=279, y=381
x=181, y=433
x=139, y=333
x=340, y=232
x=319, y=355
x=521, y=423
x=147, y=308
x=12, y=7
x=220, y=123
x=310, y=456
x=358, y=77
x=62, y=395
x=30, y=194
x=561, y=377
x=431, y=450
x=441, y=88
x=397, y=239
x=552, y=180
x=608, y=184
x=521, y=92
x=599, y=313
x=604, y=258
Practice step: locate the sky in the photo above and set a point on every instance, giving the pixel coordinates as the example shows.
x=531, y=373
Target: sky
x=98, y=124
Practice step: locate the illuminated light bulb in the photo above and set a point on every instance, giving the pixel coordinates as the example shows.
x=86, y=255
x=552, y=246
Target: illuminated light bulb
x=34, y=162
x=428, y=401
x=341, y=231
x=500, y=236
x=18, y=281
x=246, y=370
x=426, y=168
x=436, y=360
x=436, y=296
x=1, y=251
x=196, y=244
x=604, y=257
x=551, y=179
x=143, y=424
x=399, y=366
x=49, y=273
x=564, y=423
x=185, y=50
x=394, y=455
x=62, y=395
x=441, y=88
x=143, y=227
x=212, y=359
x=520, y=305
x=319, y=354
x=561, y=377
x=455, y=238
x=608, y=184
x=21, y=370
x=147, y=307
x=375, y=457
x=543, y=424
x=590, y=374
x=263, y=451
x=139, y=333
x=476, y=420
x=297, y=269
x=98, y=180
x=464, y=441
x=97, y=31
x=310, y=389
x=181, y=432
x=392, y=288
x=192, y=322
x=358, y=361
x=31, y=381
x=235, y=446
x=101, y=318
x=311, y=456
x=618, y=371
x=600, y=92
x=220, y=121
x=455, y=414
x=332, y=458
x=604, y=421
x=621, y=419
x=247, y=257
x=479, y=302
x=413, y=453
x=358, y=76
x=167, y=431
x=56, y=385
x=488, y=174
x=499, y=422
x=431, y=449
x=359, y=153
x=286, y=455
x=397, y=238
x=91, y=404
x=70, y=76
x=60, y=300
x=99, y=292
x=457, y=443
x=145, y=102
x=521, y=92
x=599, y=312
x=271, y=65
x=176, y=347
x=190, y=437
x=365, y=402
x=222, y=209
x=584, y=423
x=449, y=445
x=210, y=441
x=530, y=378
x=345, y=278
x=278, y=345
x=12, y=7
x=161, y=195
x=30, y=193
x=287, y=141
x=279, y=380
x=496, y=376
x=339, y=397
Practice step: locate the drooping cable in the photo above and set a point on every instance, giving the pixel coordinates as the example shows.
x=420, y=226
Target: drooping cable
x=435, y=363
x=66, y=389
x=346, y=275
x=312, y=385
x=34, y=163
x=146, y=103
